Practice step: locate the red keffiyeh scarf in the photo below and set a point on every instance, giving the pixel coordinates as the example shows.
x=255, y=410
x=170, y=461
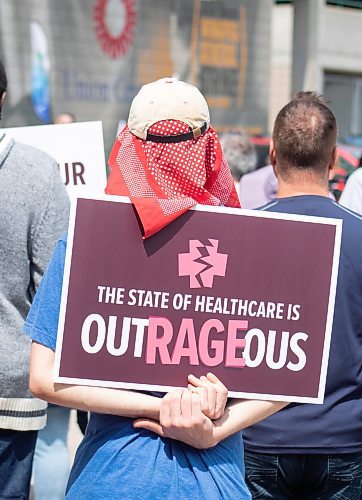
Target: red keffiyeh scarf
x=163, y=180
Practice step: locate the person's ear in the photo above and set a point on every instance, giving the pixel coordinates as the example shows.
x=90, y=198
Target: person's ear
x=332, y=163
x=2, y=98
x=272, y=155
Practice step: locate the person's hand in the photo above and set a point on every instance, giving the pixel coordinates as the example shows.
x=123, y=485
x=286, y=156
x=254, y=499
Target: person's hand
x=181, y=418
x=212, y=392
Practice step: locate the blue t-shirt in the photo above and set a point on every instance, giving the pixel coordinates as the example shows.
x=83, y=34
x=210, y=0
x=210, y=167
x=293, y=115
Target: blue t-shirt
x=336, y=425
x=116, y=461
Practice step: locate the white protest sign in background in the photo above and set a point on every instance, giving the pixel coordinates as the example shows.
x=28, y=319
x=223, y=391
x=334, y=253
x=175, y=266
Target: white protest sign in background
x=77, y=147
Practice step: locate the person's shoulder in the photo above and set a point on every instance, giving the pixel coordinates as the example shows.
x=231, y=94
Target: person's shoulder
x=351, y=228
x=356, y=176
x=35, y=168
x=315, y=206
x=32, y=157
x=32, y=153
x=269, y=206
x=349, y=215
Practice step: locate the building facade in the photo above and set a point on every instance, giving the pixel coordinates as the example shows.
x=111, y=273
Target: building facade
x=317, y=45
x=89, y=57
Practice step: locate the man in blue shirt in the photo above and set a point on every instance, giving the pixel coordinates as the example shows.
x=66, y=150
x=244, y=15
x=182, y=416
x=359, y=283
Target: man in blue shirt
x=315, y=451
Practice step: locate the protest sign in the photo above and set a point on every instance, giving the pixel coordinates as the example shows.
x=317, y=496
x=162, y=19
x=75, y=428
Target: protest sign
x=77, y=147
x=245, y=294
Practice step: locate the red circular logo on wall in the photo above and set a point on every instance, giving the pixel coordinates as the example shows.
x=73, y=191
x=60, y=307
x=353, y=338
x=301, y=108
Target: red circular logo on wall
x=114, y=46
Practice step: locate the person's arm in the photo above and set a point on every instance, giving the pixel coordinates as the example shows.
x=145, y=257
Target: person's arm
x=50, y=221
x=351, y=196
x=41, y=326
x=242, y=413
x=181, y=418
x=98, y=399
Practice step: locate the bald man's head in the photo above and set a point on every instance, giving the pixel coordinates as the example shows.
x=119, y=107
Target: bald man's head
x=304, y=136
x=65, y=118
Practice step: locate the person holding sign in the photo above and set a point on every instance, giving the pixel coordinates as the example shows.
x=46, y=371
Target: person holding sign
x=315, y=451
x=142, y=445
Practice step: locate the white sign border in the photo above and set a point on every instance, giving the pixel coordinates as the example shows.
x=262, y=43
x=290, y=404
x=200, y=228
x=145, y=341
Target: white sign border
x=204, y=208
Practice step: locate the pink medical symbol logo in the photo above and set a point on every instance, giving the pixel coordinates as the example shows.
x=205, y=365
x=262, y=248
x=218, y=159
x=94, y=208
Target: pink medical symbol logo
x=202, y=263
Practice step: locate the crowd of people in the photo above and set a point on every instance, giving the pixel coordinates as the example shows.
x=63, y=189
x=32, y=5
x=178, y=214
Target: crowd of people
x=193, y=442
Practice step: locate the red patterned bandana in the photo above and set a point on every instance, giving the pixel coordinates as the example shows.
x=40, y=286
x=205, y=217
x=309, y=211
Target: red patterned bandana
x=163, y=180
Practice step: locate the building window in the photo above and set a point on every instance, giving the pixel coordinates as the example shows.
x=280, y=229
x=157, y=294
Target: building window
x=354, y=4
x=344, y=93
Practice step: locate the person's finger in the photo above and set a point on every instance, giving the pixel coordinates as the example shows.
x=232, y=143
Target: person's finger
x=195, y=381
x=150, y=425
x=186, y=406
x=211, y=393
x=193, y=388
x=203, y=394
x=216, y=393
x=200, y=382
x=209, y=401
x=196, y=406
x=213, y=378
x=204, y=398
x=174, y=399
x=221, y=393
x=165, y=410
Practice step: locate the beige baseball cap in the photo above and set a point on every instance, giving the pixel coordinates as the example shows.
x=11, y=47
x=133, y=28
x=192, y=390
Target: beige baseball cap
x=168, y=99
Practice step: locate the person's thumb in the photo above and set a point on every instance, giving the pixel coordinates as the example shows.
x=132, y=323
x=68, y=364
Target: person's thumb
x=150, y=425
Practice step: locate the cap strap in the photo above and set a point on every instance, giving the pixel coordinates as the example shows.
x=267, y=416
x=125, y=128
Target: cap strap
x=179, y=137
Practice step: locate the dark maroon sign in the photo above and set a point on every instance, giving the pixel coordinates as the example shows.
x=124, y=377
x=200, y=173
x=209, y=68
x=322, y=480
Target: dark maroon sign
x=246, y=295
